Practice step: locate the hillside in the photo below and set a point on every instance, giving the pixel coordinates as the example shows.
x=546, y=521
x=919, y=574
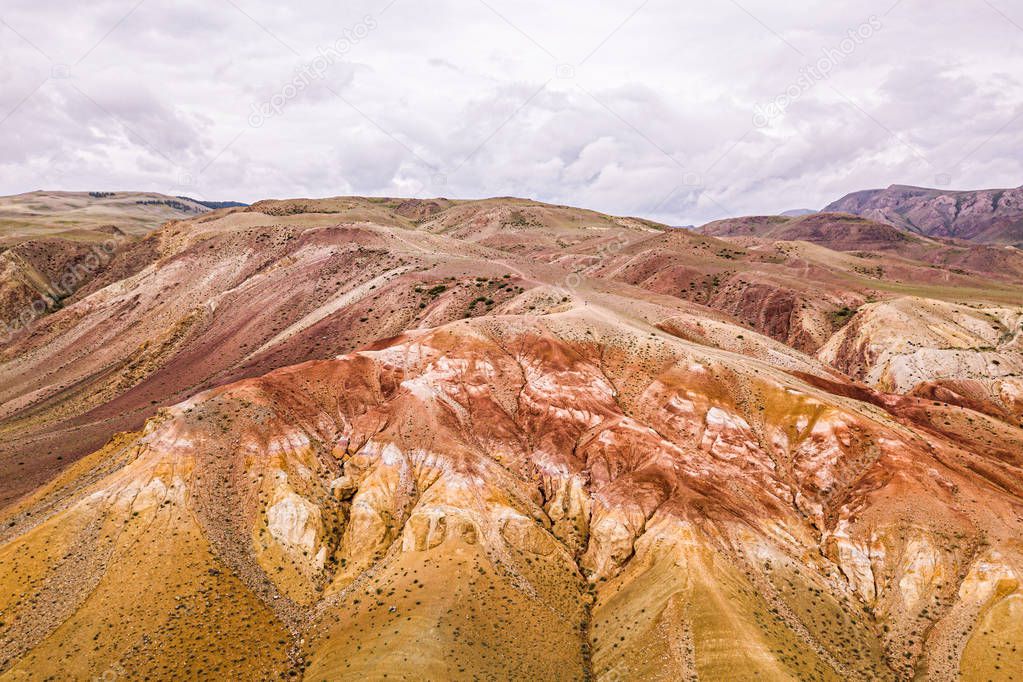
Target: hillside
x=439, y=439
x=833, y=230
x=53, y=245
x=88, y=216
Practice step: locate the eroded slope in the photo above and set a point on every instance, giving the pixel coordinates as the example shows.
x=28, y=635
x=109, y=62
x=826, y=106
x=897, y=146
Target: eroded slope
x=578, y=495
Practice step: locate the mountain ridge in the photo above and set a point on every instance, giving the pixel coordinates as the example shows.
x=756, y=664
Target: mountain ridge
x=993, y=216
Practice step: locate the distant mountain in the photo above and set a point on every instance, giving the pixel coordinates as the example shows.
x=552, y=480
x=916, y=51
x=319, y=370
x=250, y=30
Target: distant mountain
x=798, y=212
x=834, y=230
x=87, y=216
x=991, y=216
x=215, y=204
x=866, y=238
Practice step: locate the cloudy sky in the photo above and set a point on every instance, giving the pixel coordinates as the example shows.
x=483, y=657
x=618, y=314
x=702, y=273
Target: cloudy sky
x=681, y=111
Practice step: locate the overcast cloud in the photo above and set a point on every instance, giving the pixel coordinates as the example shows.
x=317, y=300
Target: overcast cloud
x=679, y=111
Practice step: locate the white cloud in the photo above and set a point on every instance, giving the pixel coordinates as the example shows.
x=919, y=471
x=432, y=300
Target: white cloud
x=465, y=98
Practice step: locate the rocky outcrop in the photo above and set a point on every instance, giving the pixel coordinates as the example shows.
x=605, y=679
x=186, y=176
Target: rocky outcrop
x=932, y=347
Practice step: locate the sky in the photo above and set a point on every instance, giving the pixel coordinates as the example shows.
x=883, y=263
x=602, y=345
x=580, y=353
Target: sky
x=678, y=111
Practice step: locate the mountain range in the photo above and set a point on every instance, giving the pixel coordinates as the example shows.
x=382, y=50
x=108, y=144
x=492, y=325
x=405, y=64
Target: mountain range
x=993, y=216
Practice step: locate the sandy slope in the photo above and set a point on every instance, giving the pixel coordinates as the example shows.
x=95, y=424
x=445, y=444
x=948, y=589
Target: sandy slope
x=554, y=498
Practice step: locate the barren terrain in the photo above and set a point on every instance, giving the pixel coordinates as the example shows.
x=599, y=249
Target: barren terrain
x=352, y=438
